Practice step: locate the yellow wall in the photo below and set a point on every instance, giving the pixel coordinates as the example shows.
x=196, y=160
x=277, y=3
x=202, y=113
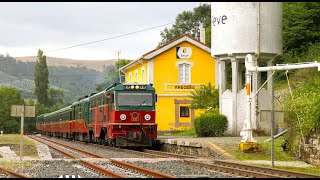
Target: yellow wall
x=138, y=66
x=166, y=72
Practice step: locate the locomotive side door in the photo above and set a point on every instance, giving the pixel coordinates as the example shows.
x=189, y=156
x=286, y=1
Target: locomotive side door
x=86, y=112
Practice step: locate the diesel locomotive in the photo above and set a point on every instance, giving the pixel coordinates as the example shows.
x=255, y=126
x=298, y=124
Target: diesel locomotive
x=122, y=115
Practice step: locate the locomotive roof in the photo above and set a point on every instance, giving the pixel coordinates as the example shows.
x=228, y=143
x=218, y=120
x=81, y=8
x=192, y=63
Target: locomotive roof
x=118, y=86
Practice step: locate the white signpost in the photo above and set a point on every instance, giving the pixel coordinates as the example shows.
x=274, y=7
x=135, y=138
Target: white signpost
x=22, y=111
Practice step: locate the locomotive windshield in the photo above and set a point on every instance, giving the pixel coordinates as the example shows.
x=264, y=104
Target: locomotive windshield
x=135, y=99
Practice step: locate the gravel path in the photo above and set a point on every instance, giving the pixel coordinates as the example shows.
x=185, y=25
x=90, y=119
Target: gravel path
x=57, y=168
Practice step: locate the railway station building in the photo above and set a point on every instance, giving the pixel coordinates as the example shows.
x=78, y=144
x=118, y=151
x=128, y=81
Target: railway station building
x=175, y=69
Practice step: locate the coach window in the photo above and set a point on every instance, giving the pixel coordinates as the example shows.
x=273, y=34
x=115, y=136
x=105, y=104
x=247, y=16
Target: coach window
x=184, y=111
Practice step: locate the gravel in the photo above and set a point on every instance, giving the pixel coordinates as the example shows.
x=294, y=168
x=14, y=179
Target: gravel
x=57, y=168
x=180, y=170
x=171, y=166
x=96, y=150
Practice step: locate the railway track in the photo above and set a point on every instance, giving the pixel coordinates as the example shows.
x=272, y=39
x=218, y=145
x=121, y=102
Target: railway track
x=282, y=173
x=238, y=169
x=13, y=173
x=118, y=166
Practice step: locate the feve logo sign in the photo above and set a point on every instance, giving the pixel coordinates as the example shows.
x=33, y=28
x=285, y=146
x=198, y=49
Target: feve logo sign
x=183, y=52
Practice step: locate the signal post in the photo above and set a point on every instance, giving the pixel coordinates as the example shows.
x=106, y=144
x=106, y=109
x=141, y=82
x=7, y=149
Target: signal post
x=22, y=111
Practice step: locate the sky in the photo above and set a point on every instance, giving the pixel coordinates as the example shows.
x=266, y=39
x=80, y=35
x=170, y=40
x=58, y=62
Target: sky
x=49, y=26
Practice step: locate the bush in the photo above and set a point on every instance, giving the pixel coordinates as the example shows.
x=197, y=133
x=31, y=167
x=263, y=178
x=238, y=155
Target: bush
x=210, y=124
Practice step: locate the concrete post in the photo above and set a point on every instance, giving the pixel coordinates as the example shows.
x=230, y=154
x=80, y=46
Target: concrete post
x=222, y=81
x=240, y=78
x=255, y=87
x=235, y=87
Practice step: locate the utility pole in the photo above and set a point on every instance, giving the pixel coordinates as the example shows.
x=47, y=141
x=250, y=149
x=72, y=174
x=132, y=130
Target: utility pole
x=22, y=111
x=119, y=65
x=21, y=131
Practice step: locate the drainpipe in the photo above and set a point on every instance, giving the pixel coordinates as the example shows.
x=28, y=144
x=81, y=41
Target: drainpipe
x=257, y=54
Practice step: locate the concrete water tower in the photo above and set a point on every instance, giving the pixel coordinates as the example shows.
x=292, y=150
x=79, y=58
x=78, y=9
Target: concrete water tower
x=238, y=29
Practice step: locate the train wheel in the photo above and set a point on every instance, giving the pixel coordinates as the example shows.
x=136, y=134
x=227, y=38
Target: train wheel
x=101, y=141
x=113, y=143
x=106, y=141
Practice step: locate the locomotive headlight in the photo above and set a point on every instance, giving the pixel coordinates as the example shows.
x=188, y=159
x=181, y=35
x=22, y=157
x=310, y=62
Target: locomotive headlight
x=147, y=117
x=132, y=86
x=123, y=117
x=137, y=87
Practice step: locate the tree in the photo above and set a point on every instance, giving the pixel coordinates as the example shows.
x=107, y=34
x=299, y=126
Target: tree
x=301, y=25
x=9, y=96
x=112, y=74
x=41, y=80
x=206, y=98
x=55, y=96
x=188, y=22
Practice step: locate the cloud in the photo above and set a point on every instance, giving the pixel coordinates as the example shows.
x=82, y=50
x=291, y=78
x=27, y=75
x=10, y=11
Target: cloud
x=28, y=26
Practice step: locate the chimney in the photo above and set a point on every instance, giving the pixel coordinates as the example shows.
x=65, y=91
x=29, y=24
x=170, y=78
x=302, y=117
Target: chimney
x=202, y=34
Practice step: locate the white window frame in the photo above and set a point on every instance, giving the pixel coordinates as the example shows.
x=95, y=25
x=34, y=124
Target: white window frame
x=130, y=77
x=142, y=74
x=184, y=63
x=136, y=76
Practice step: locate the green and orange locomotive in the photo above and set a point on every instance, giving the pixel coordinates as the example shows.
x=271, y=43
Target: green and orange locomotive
x=122, y=115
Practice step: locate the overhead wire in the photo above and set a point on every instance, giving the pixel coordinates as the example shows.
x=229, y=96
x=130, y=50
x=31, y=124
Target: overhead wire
x=114, y=37
x=83, y=44
x=108, y=38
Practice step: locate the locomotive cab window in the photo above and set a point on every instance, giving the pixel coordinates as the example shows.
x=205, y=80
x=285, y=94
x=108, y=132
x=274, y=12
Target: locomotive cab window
x=134, y=99
x=184, y=111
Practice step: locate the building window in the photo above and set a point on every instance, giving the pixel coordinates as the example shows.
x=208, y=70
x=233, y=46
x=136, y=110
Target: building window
x=142, y=75
x=184, y=73
x=130, y=77
x=136, y=76
x=184, y=111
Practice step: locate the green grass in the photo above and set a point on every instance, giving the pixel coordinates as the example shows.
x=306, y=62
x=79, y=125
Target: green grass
x=187, y=132
x=13, y=141
x=15, y=164
x=264, y=154
x=184, y=132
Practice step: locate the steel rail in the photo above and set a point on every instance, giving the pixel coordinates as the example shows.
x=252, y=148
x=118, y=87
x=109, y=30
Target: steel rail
x=14, y=173
x=284, y=173
x=126, y=165
x=101, y=170
x=169, y=154
x=143, y=170
x=231, y=170
x=86, y=163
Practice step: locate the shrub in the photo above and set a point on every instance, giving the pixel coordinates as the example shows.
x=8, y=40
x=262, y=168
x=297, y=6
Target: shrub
x=210, y=124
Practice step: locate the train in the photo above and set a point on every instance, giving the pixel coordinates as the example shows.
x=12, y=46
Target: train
x=122, y=115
